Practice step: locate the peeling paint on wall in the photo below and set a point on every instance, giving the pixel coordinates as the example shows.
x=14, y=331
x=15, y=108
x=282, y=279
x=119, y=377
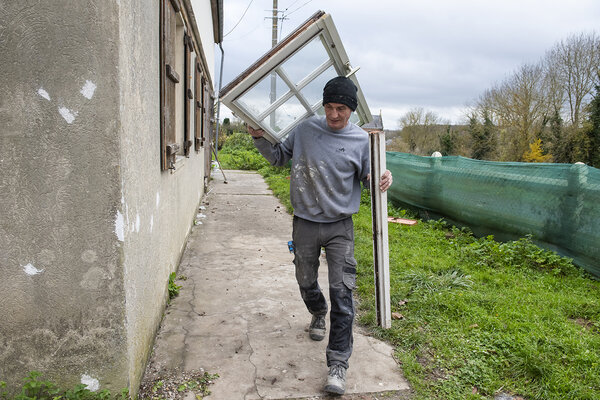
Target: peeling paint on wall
x=92, y=383
x=67, y=114
x=120, y=227
x=157, y=199
x=43, y=93
x=88, y=89
x=31, y=270
x=137, y=222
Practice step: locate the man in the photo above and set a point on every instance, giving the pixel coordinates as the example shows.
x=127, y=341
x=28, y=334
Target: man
x=330, y=157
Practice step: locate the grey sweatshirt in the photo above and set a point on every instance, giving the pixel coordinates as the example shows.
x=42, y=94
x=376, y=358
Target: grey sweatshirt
x=327, y=167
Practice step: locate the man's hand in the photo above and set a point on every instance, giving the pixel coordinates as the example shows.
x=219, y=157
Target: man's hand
x=386, y=180
x=255, y=133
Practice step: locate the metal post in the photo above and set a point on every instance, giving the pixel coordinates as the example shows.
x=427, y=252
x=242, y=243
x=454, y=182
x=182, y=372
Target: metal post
x=273, y=95
x=379, y=215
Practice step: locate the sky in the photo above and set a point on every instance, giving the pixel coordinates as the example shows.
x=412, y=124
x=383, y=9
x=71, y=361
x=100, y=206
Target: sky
x=440, y=55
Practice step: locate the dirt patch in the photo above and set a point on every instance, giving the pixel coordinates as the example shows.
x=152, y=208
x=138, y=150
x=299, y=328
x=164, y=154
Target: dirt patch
x=170, y=385
x=587, y=324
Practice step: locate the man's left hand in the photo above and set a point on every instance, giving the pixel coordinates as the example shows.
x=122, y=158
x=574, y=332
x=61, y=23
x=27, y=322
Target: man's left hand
x=386, y=180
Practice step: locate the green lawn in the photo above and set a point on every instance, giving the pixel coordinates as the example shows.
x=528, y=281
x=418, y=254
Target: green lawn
x=477, y=317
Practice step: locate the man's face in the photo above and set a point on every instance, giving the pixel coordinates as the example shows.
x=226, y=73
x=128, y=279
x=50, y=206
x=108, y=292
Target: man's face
x=337, y=115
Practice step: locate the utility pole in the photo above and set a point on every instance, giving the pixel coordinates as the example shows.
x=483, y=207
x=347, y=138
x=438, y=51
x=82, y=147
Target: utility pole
x=273, y=95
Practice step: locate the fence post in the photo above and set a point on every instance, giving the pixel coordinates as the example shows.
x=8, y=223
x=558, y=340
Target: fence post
x=379, y=215
x=571, y=220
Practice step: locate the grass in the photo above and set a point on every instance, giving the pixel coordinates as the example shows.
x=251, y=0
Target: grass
x=480, y=317
x=477, y=317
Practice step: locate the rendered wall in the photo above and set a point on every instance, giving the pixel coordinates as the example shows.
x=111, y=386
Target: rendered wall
x=90, y=227
x=62, y=302
x=158, y=207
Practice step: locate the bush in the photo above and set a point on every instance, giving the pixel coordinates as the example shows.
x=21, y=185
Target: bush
x=238, y=141
x=239, y=152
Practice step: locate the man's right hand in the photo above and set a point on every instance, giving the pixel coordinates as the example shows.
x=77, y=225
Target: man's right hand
x=255, y=133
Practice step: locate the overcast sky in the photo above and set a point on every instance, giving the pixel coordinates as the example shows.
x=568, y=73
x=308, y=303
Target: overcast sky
x=436, y=54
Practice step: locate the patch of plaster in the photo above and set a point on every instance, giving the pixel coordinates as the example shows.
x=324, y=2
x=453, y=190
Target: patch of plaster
x=93, y=278
x=89, y=256
x=43, y=93
x=67, y=114
x=31, y=270
x=88, y=89
x=137, y=222
x=120, y=226
x=92, y=383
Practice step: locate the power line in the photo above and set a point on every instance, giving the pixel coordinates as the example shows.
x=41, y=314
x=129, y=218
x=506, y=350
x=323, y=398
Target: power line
x=242, y=17
x=284, y=15
x=288, y=7
x=291, y=12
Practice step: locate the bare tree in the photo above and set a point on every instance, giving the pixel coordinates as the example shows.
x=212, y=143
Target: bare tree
x=420, y=130
x=518, y=105
x=574, y=64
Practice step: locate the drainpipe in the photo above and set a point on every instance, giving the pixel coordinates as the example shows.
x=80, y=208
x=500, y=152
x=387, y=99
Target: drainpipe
x=219, y=100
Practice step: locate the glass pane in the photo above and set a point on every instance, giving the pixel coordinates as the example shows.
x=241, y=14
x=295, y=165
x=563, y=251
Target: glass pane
x=285, y=115
x=258, y=99
x=313, y=92
x=306, y=60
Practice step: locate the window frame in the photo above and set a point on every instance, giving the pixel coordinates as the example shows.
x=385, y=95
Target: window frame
x=169, y=78
x=319, y=25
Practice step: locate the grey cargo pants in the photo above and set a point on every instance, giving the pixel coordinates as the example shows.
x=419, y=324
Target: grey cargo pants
x=338, y=240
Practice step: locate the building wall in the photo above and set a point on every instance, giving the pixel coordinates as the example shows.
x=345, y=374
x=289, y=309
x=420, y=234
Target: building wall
x=158, y=207
x=90, y=227
x=62, y=302
x=203, y=15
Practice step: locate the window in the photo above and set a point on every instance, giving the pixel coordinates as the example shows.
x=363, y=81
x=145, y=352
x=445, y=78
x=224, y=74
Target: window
x=199, y=86
x=184, y=88
x=286, y=85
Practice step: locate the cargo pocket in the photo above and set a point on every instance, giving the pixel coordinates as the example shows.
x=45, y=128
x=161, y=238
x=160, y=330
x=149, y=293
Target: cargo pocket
x=349, y=275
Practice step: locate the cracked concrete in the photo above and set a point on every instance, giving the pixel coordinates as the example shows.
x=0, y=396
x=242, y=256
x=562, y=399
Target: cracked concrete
x=239, y=312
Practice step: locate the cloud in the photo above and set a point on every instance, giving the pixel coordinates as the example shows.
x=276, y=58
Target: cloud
x=440, y=55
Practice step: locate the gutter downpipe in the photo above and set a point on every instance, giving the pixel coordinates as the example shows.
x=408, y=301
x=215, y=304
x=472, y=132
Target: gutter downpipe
x=219, y=101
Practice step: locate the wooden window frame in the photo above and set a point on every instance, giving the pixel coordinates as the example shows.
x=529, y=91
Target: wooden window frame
x=188, y=94
x=320, y=26
x=199, y=83
x=168, y=79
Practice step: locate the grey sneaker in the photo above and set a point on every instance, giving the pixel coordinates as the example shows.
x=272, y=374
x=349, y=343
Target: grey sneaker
x=336, y=379
x=316, y=330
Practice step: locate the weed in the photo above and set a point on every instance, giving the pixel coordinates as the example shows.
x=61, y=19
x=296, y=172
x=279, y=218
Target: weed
x=35, y=388
x=177, y=385
x=173, y=287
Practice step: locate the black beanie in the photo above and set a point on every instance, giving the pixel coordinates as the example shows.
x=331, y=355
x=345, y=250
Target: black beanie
x=341, y=90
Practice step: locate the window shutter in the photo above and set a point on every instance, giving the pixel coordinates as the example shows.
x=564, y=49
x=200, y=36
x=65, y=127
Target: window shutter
x=168, y=79
x=198, y=108
x=188, y=96
x=206, y=119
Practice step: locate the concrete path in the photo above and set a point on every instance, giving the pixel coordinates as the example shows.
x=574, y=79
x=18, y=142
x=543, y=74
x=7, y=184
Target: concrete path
x=239, y=313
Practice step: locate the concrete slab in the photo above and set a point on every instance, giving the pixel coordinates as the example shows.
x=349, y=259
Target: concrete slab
x=239, y=313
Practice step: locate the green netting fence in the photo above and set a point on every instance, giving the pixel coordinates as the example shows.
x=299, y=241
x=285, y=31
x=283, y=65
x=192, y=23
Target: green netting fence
x=558, y=204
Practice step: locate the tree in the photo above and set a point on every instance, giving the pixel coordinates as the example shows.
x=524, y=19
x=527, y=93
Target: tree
x=483, y=136
x=593, y=131
x=419, y=130
x=447, y=143
x=535, y=153
x=519, y=105
x=573, y=64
